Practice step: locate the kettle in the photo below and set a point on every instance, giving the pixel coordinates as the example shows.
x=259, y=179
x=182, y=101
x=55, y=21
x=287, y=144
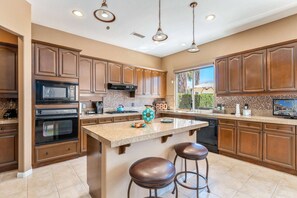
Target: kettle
x=120, y=108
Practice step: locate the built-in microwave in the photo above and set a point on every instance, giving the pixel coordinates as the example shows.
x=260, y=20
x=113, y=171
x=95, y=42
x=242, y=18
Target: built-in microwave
x=48, y=92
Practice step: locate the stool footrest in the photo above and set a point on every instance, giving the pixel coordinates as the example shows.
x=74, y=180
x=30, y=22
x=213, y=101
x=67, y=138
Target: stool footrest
x=189, y=187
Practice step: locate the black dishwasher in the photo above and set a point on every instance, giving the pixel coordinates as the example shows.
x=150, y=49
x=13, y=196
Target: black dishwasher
x=208, y=136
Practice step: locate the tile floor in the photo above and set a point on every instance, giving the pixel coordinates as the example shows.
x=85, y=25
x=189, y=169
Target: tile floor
x=229, y=178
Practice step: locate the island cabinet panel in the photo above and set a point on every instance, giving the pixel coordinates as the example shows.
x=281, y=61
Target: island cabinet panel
x=68, y=63
x=221, y=76
x=147, y=82
x=46, y=60
x=139, y=75
x=249, y=143
x=85, y=75
x=282, y=68
x=99, y=76
x=8, y=147
x=128, y=74
x=115, y=72
x=235, y=74
x=279, y=149
x=254, y=71
x=155, y=83
x=163, y=85
x=8, y=70
x=227, y=138
x=83, y=135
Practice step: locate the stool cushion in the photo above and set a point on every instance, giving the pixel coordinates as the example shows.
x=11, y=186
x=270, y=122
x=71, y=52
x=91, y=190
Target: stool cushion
x=152, y=172
x=192, y=151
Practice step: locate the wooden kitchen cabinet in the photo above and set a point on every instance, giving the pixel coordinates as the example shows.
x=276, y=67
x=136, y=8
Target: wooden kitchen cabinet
x=139, y=74
x=282, y=68
x=249, y=140
x=254, y=71
x=235, y=74
x=163, y=85
x=155, y=83
x=85, y=75
x=8, y=69
x=99, y=76
x=221, y=76
x=147, y=78
x=115, y=73
x=227, y=137
x=8, y=147
x=55, y=62
x=128, y=75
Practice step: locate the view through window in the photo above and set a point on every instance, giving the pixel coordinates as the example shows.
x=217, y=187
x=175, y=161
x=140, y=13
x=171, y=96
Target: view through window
x=195, y=88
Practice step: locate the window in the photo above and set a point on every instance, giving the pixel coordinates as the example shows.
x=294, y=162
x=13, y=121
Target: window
x=195, y=88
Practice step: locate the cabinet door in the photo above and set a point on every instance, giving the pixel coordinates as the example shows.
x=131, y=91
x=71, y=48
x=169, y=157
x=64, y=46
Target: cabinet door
x=282, y=68
x=221, y=76
x=46, y=60
x=99, y=76
x=128, y=74
x=68, y=63
x=249, y=143
x=155, y=83
x=114, y=73
x=8, y=70
x=235, y=74
x=147, y=82
x=139, y=81
x=227, y=139
x=85, y=75
x=163, y=85
x=279, y=149
x=254, y=71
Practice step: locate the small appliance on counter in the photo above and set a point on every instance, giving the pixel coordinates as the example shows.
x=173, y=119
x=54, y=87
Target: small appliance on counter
x=246, y=111
x=10, y=113
x=237, y=110
x=98, y=107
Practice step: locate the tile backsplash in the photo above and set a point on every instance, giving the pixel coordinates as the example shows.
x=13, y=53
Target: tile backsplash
x=7, y=104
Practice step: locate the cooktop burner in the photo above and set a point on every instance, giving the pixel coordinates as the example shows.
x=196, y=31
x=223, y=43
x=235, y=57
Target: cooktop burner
x=115, y=112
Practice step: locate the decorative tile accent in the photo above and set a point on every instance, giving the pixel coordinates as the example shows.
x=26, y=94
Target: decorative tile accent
x=7, y=104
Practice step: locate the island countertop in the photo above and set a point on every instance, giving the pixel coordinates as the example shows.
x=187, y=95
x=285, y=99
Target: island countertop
x=118, y=134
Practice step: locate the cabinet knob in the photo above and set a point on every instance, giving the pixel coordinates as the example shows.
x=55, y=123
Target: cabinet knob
x=46, y=153
x=68, y=149
x=1, y=128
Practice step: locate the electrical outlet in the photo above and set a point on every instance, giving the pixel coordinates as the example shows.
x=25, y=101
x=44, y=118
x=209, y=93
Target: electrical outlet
x=132, y=104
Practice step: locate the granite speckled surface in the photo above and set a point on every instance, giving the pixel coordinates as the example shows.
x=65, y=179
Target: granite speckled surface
x=8, y=121
x=118, y=134
x=107, y=115
x=263, y=119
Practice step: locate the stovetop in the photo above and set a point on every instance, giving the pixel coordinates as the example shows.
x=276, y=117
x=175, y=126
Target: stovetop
x=116, y=112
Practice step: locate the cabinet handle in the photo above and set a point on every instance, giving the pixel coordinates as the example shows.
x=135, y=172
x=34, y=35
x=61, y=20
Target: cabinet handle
x=68, y=149
x=1, y=128
x=46, y=153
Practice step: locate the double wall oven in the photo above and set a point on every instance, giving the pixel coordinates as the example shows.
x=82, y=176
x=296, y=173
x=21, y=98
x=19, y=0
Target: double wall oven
x=57, y=119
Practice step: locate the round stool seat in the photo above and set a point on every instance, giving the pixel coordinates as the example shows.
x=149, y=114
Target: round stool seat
x=152, y=172
x=192, y=151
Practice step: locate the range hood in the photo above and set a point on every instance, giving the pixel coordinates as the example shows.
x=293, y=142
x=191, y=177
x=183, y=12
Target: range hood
x=126, y=87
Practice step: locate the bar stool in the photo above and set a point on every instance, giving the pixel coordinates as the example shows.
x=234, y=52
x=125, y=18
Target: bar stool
x=196, y=152
x=152, y=173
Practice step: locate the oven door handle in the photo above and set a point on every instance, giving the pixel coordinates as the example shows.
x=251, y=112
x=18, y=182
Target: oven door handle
x=55, y=117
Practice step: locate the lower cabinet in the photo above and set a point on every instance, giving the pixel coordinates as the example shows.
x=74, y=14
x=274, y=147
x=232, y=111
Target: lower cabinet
x=8, y=147
x=227, y=139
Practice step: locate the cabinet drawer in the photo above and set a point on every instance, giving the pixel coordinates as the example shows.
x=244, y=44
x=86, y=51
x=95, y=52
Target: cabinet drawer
x=55, y=151
x=136, y=117
x=8, y=128
x=88, y=122
x=228, y=122
x=282, y=128
x=121, y=119
x=250, y=125
x=105, y=120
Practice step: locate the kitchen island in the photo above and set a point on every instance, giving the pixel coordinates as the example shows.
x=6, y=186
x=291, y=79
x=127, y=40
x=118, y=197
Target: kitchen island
x=112, y=148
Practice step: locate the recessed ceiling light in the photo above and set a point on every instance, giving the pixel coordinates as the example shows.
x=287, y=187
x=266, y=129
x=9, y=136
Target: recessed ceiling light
x=210, y=17
x=183, y=44
x=77, y=13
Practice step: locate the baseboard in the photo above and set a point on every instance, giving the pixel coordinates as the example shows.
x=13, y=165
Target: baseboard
x=24, y=174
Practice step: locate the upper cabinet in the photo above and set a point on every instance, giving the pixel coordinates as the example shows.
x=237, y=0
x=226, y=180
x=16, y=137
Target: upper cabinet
x=55, y=62
x=163, y=80
x=99, y=76
x=282, y=68
x=128, y=74
x=8, y=70
x=115, y=72
x=139, y=81
x=147, y=78
x=155, y=83
x=254, y=71
x=235, y=74
x=221, y=76
x=85, y=75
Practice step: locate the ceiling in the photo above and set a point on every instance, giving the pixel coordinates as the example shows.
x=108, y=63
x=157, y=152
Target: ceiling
x=141, y=16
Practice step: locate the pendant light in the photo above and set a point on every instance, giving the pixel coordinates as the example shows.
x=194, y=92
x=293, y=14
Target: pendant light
x=193, y=48
x=159, y=36
x=103, y=14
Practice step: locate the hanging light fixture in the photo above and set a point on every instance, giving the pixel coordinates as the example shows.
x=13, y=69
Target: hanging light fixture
x=103, y=14
x=160, y=36
x=193, y=48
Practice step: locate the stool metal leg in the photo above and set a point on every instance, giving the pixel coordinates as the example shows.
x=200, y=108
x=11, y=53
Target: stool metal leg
x=175, y=188
x=185, y=181
x=156, y=193
x=129, y=188
x=175, y=160
x=207, y=169
x=197, y=170
x=150, y=192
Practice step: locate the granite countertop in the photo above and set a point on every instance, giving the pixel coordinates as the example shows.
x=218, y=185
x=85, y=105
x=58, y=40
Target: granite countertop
x=118, y=134
x=106, y=115
x=264, y=119
x=9, y=121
